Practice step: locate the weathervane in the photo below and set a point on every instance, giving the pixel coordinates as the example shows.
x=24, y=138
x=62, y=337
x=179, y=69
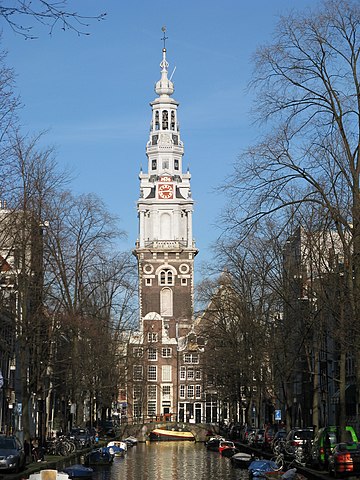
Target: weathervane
x=164, y=38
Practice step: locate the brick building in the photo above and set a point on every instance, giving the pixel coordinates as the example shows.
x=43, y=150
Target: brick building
x=165, y=378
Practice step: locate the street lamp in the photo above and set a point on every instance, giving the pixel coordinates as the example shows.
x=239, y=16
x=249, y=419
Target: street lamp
x=41, y=418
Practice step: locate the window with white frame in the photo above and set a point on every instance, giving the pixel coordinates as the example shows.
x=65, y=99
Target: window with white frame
x=148, y=282
x=166, y=391
x=182, y=391
x=137, y=392
x=152, y=373
x=152, y=392
x=138, y=352
x=166, y=277
x=137, y=372
x=198, y=391
x=182, y=373
x=152, y=337
x=166, y=373
x=197, y=374
x=152, y=354
x=190, y=391
x=151, y=408
x=191, y=358
x=137, y=409
x=166, y=352
x=190, y=373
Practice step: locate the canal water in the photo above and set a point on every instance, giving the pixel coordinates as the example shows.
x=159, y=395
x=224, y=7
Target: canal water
x=170, y=461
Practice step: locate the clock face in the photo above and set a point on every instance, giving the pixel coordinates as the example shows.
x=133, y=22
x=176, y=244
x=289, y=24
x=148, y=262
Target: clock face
x=165, y=190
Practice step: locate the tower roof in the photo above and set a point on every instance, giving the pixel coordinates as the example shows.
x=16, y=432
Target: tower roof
x=164, y=86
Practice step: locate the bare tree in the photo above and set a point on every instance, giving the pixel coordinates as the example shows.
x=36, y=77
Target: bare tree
x=308, y=87
x=19, y=15
x=91, y=291
x=31, y=181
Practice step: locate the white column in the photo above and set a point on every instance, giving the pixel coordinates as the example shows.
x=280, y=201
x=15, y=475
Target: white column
x=142, y=228
x=189, y=228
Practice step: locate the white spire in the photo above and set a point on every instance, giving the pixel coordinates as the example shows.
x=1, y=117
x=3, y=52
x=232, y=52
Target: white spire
x=164, y=86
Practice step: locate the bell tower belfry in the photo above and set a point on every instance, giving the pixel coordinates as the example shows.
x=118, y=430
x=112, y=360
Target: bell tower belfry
x=165, y=248
x=164, y=361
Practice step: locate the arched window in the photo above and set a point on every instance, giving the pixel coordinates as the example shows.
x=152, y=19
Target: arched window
x=166, y=302
x=157, y=122
x=166, y=277
x=165, y=120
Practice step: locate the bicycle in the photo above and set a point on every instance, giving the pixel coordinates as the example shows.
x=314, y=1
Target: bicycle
x=279, y=460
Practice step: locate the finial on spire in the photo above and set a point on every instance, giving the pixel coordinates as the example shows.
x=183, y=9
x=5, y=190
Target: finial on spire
x=164, y=38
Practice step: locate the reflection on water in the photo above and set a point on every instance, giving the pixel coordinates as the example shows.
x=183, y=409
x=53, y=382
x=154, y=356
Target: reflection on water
x=170, y=460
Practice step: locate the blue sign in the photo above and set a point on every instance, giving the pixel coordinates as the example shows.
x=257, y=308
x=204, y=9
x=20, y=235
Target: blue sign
x=277, y=414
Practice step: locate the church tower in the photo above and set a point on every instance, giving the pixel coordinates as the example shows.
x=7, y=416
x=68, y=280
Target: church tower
x=165, y=248
x=165, y=252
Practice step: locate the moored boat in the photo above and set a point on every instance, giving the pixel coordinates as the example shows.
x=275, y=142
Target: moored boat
x=263, y=468
x=242, y=459
x=131, y=441
x=49, y=475
x=213, y=443
x=100, y=456
x=227, y=448
x=78, y=471
x=163, y=434
x=117, y=448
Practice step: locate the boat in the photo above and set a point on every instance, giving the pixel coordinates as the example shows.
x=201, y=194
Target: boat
x=78, y=471
x=214, y=442
x=264, y=469
x=227, y=448
x=131, y=441
x=100, y=456
x=117, y=448
x=49, y=475
x=242, y=459
x=163, y=434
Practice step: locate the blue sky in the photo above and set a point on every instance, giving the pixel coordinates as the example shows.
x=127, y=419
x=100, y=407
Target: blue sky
x=92, y=94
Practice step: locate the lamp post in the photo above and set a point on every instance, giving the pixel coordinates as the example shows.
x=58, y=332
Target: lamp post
x=41, y=420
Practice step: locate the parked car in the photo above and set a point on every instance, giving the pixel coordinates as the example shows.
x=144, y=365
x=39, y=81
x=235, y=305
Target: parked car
x=256, y=438
x=245, y=434
x=325, y=440
x=344, y=459
x=298, y=438
x=235, y=431
x=12, y=454
x=270, y=431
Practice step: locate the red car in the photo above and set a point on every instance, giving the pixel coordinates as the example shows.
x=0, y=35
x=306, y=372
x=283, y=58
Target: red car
x=345, y=460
